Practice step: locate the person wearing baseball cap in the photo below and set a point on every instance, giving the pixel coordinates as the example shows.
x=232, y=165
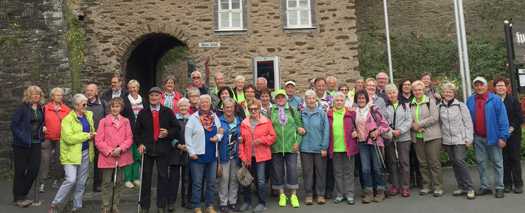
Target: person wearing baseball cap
x=155, y=128
x=293, y=100
x=491, y=131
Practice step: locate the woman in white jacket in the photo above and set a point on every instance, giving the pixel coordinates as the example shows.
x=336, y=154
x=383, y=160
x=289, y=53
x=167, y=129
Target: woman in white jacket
x=457, y=134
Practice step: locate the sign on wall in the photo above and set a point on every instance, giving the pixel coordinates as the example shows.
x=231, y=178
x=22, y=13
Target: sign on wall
x=518, y=32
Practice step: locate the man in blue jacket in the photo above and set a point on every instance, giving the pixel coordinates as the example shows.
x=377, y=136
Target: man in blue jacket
x=491, y=130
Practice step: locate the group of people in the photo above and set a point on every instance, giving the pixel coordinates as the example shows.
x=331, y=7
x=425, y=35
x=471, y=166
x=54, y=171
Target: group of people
x=221, y=140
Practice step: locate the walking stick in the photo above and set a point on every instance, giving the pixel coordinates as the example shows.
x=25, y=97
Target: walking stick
x=114, y=185
x=380, y=156
x=140, y=188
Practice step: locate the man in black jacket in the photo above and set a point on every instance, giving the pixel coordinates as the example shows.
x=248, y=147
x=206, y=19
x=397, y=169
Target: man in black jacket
x=115, y=91
x=155, y=128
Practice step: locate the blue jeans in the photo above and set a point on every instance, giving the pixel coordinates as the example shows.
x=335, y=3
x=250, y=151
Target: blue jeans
x=284, y=171
x=258, y=172
x=208, y=173
x=371, y=167
x=484, y=154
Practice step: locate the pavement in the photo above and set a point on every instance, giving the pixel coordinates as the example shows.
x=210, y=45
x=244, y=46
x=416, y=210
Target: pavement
x=416, y=203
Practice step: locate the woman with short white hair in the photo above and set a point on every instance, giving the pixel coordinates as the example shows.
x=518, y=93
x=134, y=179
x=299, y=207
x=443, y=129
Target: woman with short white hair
x=238, y=90
x=76, y=150
x=133, y=104
x=27, y=126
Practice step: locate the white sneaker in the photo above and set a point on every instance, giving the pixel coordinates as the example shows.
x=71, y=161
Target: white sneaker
x=137, y=183
x=129, y=185
x=42, y=188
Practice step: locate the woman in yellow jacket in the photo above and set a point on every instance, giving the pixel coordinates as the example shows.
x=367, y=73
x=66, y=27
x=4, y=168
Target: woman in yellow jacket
x=76, y=151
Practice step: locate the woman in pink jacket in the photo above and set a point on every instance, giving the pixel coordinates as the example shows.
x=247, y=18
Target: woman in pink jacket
x=113, y=141
x=254, y=151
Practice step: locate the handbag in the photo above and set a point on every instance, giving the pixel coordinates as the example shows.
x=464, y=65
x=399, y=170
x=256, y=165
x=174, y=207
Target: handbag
x=244, y=176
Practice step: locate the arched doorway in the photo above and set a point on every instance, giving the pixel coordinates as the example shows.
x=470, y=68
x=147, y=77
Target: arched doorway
x=143, y=63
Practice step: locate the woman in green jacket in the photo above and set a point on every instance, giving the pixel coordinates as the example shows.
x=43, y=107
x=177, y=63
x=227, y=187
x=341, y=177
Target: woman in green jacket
x=288, y=127
x=76, y=151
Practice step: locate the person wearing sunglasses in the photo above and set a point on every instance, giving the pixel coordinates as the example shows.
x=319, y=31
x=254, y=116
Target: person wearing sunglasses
x=76, y=151
x=197, y=82
x=258, y=136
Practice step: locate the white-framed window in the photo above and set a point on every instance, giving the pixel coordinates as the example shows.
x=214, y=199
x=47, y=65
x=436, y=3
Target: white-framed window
x=298, y=13
x=267, y=67
x=230, y=15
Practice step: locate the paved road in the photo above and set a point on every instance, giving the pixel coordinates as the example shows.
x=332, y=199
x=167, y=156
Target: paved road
x=447, y=203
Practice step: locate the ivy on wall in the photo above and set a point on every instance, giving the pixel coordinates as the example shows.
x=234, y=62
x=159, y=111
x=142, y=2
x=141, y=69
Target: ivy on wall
x=75, y=38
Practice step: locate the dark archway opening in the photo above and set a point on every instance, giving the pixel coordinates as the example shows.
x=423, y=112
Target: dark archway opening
x=143, y=61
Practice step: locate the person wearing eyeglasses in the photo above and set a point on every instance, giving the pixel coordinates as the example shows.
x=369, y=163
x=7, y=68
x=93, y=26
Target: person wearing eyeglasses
x=76, y=152
x=258, y=136
x=198, y=82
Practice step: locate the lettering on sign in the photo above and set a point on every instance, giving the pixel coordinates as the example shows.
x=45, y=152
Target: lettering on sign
x=209, y=44
x=518, y=34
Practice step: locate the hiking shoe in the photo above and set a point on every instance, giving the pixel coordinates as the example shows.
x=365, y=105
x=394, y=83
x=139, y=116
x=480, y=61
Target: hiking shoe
x=197, y=210
x=136, y=183
x=282, y=200
x=294, y=200
x=499, y=193
x=368, y=196
x=380, y=196
x=244, y=207
x=482, y=192
x=308, y=201
x=507, y=189
x=259, y=208
x=42, y=188
x=424, y=191
x=338, y=199
x=129, y=185
x=23, y=203
x=321, y=200
x=438, y=193
x=471, y=195
x=350, y=200
x=518, y=190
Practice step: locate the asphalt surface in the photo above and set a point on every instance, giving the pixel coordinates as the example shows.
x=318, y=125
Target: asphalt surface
x=416, y=203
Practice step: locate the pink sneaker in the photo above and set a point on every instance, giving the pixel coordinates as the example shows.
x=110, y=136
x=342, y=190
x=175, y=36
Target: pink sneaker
x=393, y=191
x=405, y=192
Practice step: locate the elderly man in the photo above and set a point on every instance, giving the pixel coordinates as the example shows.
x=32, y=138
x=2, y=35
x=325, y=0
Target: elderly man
x=115, y=91
x=491, y=131
x=331, y=83
x=219, y=82
x=155, y=129
x=197, y=82
x=260, y=84
x=382, y=80
x=293, y=100
x=98, y=107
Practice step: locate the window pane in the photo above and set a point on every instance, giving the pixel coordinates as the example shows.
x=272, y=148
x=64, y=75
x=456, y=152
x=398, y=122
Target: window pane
x=225, y=5
x=292, y=3
x=303, y=3
x=305, y=17
x=225, y=20
x=236, y=4
x=292, y=18
x=236, y=20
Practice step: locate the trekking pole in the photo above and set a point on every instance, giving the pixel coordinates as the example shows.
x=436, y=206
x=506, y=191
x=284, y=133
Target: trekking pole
x=114, y=186
x=140, y=188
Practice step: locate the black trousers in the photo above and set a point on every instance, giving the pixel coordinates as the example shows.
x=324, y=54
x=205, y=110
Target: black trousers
x=330, y=178
x=185, y=191
x=173, y=182
x=511, y=162
x=415, y=174
x=97, y=174
x=27, y=164
x=162, y=181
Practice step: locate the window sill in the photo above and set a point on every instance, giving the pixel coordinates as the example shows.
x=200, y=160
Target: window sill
x=231, y=32
x=299, y=29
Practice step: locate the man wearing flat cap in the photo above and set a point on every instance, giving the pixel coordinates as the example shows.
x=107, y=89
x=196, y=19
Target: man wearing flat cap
x=155, y=128
x=491, y=130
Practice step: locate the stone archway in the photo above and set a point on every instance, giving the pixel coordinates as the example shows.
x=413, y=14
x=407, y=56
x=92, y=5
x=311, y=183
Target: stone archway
x=143, y=57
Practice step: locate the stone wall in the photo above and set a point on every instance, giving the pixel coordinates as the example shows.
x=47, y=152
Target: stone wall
x=33, y=51
x=115, y=27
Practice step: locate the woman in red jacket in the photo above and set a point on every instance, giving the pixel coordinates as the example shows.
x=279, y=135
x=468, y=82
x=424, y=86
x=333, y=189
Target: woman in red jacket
x=254, y=151
x=54, y=111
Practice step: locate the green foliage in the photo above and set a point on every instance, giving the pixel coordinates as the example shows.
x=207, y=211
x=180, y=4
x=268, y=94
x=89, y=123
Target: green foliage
x=412, y=55
x=75, y=38
x=173, y=56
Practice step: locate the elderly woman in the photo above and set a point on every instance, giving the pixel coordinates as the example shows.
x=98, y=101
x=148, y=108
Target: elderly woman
x=258, y=136
x=238, y=90
x=288, y=126
x=113, y=142
x=371, y=89
x=76, y=151
x=229, y=158
x=133, y=104
x=370, y=125
x=426, y=134
x=227, y=93
x=430, y=90
x=397, y=149
x=314, y=148
x=266, y=102
x=202, y=133
x=342, y=148
x=54, y=111
x=197, y=83
x=511, y=152
x=457, y=133
x=349, y=100
x=27, y=126
x=170, y=96
x=182, y=118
